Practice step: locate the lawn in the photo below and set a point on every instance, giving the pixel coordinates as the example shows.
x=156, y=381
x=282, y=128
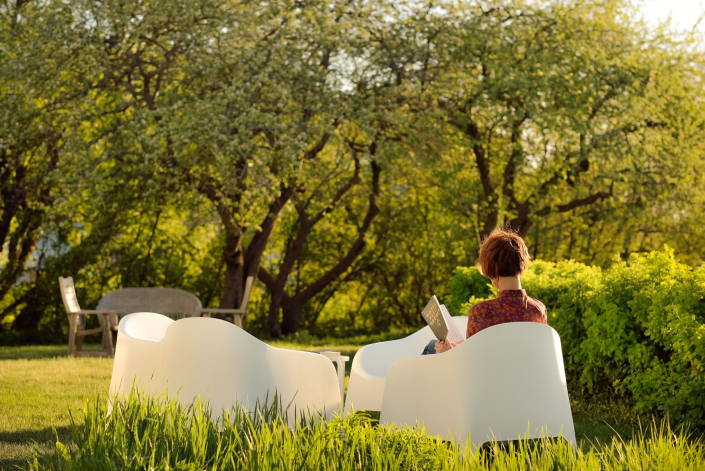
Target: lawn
x=40, y=386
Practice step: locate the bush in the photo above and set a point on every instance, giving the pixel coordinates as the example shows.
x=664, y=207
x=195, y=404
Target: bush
x=466, y=284
x=633, y=332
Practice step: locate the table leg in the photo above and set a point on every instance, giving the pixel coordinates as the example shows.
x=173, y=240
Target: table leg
x=341, y=377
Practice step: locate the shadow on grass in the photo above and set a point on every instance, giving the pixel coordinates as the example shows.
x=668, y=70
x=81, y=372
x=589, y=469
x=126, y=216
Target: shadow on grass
x=36, y=352
x=14, y=445
x=590, y=429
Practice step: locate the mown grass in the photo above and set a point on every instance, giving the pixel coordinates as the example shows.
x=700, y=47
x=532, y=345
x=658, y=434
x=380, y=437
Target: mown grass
x=39, y=385
x=148, y=433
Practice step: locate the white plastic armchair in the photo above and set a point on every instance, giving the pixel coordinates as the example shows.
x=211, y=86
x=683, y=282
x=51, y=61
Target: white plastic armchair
x=227, y=366
x=371, y=363
x=504, y=383
x=139, y=353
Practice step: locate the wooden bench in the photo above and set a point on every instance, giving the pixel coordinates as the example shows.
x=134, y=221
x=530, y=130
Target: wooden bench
x=171, y=302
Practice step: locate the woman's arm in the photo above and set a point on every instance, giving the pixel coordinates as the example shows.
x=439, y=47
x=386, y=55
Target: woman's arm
x=445, y=345
x=473, y=321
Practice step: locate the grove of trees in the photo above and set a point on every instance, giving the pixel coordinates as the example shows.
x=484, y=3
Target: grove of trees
x=349, y=154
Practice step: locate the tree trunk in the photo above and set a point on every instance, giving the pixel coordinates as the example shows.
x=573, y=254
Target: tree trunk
x=490, y=221
x=242, y=263
x=275, y=327
x=234, y=267
x=292, y=315
x=522, y=222
x=292, y=306
x=292, y=310
x=17, y=209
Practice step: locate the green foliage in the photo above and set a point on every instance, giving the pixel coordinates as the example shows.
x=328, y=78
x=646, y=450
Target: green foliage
x=645, y=335
x=557, y=117
x=144, y=147
x=467, y=283
x=635, y=331
x=144, y=433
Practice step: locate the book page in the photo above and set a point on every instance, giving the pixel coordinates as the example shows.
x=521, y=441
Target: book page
x=454, y=335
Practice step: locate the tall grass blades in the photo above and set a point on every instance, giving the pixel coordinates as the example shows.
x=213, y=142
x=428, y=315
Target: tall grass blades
x=143, y=433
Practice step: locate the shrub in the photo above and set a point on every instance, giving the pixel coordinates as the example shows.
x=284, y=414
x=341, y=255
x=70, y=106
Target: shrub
x=634, y=332
x=465, y=284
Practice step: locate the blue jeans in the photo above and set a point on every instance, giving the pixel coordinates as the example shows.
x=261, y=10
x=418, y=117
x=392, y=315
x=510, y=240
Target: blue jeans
x=430, y=349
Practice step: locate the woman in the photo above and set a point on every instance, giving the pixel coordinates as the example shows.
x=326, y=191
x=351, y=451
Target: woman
x=503, y=259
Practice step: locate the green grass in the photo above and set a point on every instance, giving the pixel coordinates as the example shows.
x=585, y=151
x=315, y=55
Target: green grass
x=39, y=385
x=147, y=433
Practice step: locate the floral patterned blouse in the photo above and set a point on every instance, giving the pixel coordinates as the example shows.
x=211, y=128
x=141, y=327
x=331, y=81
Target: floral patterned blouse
x=510, y=306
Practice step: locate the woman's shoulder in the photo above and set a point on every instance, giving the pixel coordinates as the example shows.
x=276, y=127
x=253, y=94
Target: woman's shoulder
x=483, y=305
x=537, y=304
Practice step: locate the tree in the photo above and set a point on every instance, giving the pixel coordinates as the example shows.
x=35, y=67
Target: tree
x=388, y=62
x=358, y=151
x=40, y=93
x=307, y=217
x=266, y=88
x=561, y=107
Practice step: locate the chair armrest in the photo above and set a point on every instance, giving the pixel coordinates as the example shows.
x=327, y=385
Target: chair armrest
x=89, y=311
x=222, y=311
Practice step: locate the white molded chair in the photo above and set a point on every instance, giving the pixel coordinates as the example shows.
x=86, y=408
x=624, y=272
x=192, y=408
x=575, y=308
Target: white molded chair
x=222, y=364
x=504, y=383
x=139, y=352
x=371, y=363
x=227, y=366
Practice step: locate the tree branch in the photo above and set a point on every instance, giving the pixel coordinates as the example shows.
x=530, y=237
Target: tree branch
x=562, y=208
x=511, y=167
x=357, y=246
x=354, y=180
x=483, y=166
x=258, y=244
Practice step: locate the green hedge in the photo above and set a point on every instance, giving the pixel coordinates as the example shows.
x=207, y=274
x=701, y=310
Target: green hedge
x=633, y=332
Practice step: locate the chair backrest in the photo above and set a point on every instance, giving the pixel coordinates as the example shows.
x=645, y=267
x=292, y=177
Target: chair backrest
x=145, y=326
x=495, y=385
x=170, y=302
x=223, y=363
x=68, y=295
x=517, y=369
x=138, y=353
x=246, y=294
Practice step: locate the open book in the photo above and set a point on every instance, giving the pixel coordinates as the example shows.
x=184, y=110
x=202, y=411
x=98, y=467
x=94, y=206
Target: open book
x=442, y=325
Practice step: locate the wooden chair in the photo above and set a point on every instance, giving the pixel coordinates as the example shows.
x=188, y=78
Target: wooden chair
x=237, y=314
x=77, y=323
